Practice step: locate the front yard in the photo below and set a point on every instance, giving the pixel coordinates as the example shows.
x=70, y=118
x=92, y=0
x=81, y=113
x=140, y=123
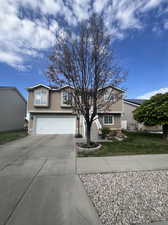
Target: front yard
x=11, y=136
x=136, y=143
x=129, y=197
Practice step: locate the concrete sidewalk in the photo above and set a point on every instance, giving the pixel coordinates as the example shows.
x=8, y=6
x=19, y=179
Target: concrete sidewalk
x=122, y=163
x=157, y=223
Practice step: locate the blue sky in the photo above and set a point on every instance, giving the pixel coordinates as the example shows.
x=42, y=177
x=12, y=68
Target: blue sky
x=140, y=39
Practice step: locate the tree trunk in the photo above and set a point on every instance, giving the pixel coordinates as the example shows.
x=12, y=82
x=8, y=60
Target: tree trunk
x=165, y=131
x=88, y=134
x=78, y=121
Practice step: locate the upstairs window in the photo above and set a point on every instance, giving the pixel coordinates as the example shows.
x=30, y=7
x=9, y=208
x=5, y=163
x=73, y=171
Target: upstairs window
x=108, y=119
x=108, y=97
x=41, y=97
x=66, y=98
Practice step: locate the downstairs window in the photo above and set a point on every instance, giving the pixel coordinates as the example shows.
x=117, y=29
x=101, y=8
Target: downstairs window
x=108, y=119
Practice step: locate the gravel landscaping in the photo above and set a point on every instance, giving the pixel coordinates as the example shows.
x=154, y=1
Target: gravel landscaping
x=129, y=198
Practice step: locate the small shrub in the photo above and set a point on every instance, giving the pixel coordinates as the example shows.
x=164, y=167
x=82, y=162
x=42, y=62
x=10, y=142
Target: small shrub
x=113, y=133
x=104, y=132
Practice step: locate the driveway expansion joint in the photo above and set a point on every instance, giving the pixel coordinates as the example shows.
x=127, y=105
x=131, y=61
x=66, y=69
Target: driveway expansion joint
x=24, y=193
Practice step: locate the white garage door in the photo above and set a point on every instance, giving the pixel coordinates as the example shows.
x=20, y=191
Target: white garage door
x=55, y=124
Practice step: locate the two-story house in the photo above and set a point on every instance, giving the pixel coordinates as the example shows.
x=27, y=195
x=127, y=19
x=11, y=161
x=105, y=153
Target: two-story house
x=50, y=112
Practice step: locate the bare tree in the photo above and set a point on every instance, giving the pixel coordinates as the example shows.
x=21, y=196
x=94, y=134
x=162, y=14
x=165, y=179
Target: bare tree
x=85, y=61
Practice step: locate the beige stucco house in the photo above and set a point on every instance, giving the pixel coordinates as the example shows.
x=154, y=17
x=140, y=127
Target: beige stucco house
x=49, y=112
x=12, y=109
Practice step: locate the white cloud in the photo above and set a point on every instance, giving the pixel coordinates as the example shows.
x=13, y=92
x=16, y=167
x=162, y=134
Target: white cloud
x=21, y=38
x=151, y=4
x=99, y=5
x=125, y=13
x=150, y=94
x=166, y=25
x=10, y=58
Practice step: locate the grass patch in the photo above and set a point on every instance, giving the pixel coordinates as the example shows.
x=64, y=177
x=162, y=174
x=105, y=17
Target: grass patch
x=11, y=135
x=136, y=143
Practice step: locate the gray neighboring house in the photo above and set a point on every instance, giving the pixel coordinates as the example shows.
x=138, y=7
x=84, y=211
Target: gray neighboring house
x=128, y=122
x=12, y=109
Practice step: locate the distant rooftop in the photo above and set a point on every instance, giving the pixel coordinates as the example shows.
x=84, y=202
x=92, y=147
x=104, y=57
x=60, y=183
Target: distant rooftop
x=136, y=101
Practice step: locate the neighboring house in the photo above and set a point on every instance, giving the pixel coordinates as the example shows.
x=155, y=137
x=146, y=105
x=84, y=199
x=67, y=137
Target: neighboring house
x=128, y=121
x=12, y=109
x=50, y=112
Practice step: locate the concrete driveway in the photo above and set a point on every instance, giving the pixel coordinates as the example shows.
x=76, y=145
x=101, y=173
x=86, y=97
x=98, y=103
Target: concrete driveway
x=38, y=184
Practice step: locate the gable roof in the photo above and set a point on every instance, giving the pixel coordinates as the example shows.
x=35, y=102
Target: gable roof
x=108, y=86
x=135, y=101
x=38, y=85
x=14, y=89
x=53, y=88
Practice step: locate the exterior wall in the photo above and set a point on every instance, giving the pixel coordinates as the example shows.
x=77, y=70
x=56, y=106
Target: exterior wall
x=54, y=103
x=133, y=124
x=117, y=121
x=117, y=106
x=31, y=128
x=128, y=116
x=12, y=110
x=114, y=109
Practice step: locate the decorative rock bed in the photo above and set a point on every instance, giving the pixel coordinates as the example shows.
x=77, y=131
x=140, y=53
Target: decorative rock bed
x=129, y=198
x=82, y=149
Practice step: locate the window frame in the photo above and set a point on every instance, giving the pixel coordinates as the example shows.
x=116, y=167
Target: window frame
x=62, y=98
x=41, y=92
x=106, y=97
x=110, y=98
x=108, y=115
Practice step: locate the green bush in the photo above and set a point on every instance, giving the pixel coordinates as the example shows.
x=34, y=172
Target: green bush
x=105, y=131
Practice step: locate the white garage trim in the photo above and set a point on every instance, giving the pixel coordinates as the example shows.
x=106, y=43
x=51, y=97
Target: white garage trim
x=55, y=124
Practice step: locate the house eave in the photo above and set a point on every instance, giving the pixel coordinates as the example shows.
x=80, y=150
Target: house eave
x=38, y=85
x=48, y=87
x=119, y=89
x=51, y=112
x=110, y=112
x=130, y=103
